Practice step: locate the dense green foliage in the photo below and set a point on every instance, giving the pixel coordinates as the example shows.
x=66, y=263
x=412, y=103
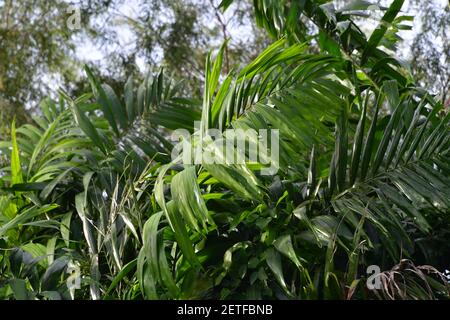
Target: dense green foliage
x=363, y=179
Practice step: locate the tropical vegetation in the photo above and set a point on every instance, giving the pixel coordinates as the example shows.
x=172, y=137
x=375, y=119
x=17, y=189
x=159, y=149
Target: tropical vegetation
x=363, y=179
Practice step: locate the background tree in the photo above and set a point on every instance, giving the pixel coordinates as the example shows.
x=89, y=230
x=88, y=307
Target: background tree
x=178, y=34
x=431, y=48
x=36, y=53
x=39, y=53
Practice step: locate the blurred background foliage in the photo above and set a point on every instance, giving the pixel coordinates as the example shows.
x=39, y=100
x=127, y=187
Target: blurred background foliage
x=39, y=52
